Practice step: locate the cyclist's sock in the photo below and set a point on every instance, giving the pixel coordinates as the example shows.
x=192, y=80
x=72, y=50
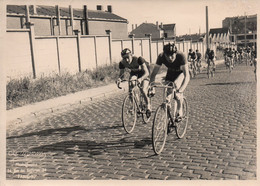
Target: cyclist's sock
x=148, y=113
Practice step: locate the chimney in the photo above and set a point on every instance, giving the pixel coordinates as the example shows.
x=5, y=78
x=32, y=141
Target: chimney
x=109, y=8
x=99, y=7
x=161, y=25
x=157, y=24
x=133, y=26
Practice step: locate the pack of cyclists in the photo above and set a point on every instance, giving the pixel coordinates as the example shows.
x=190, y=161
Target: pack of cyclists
x=178, y=68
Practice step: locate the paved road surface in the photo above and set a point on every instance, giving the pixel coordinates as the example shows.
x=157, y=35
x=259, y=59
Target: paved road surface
x=87, y=141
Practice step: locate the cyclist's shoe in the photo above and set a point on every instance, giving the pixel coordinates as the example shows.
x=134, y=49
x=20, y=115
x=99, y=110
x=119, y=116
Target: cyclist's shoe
x=178, y=118
x=148, y=113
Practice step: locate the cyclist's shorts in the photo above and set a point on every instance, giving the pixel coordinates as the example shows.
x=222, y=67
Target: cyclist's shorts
x=179, y=80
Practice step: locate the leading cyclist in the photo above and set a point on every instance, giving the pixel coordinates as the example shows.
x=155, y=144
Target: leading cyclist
x=139, y=69
x=177, y=72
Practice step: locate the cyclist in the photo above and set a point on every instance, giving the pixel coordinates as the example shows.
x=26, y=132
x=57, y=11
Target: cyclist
x=240, y=52
x=248, y=52
x=192, y=58
x=198, y=59
x=254, y=59
x=139, y=68
x=235, y=56
x=177, y=73
x=210, y=58
x=225, y=55
x=230, y=56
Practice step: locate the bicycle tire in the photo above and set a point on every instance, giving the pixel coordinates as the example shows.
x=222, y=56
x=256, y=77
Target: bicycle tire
x=129, y=113
x=159, y=129
x=181, y=126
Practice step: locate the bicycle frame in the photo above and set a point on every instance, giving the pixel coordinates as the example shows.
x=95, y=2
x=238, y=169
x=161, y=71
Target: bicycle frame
x=165, y=87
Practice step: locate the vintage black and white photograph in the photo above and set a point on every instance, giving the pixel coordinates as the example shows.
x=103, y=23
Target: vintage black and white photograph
x=129, y=90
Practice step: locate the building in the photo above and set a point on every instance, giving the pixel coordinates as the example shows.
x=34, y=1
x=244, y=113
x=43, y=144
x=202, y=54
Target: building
x=157, y=31
x=243, y=29
x=220, y=36
x=55, y=20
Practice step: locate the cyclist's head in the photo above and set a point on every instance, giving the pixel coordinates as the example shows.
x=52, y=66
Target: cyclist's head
x=169, y=49
x=197, y=50
x=126, y=54
x=190, y=50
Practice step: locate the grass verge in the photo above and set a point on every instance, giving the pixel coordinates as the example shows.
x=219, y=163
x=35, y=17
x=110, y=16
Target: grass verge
x=23, y=91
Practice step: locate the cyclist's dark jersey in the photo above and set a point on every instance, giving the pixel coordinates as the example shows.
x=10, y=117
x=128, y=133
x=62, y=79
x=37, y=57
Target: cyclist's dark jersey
x=198, y=55
x=210, y=54
x=135, y=66
x=253, y=53
x=225, y=51
x=192, y=55
x=230, y=53
x=173, y=68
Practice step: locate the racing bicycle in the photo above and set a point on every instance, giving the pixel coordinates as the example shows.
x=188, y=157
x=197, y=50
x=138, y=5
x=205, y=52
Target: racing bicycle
x=165, y=118
x=134, y=105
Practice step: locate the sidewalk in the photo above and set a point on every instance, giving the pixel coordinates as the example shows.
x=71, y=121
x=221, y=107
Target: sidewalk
x=49, y=106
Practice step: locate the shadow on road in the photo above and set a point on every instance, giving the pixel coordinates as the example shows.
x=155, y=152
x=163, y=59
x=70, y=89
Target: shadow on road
x=91, y=148
x=230, y=83
x=63, y=131
x=58, y=131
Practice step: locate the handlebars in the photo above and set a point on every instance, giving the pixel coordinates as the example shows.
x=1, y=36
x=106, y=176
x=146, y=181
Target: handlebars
x=161, y=85
x=133, y=80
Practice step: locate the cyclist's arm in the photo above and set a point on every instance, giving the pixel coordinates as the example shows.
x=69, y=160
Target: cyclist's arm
x=121, y=73
x=146, y=72
x=185, y=69
x=154, y=72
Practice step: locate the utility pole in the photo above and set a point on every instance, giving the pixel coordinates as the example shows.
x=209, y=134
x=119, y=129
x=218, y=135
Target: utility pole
x=245, y=29
x=207, y=28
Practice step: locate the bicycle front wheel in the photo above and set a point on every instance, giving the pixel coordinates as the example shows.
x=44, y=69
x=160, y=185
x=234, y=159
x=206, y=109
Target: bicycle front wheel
x=159, y=130
x=144, y=108
x=129, y=114
x=181, y=126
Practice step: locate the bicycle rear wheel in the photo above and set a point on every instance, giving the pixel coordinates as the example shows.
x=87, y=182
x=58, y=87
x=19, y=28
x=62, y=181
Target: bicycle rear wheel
x=159, y=130
x=181, y=126
x=129, y=114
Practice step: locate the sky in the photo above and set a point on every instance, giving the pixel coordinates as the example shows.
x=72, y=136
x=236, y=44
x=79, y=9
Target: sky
x=188, y=15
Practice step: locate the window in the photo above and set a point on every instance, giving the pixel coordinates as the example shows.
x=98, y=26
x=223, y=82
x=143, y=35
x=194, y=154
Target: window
x=241, y=37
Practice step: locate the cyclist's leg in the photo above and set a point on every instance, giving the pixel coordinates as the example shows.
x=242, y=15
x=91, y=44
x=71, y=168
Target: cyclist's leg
x=178, y=82
x=214, y=66
x=145, y=86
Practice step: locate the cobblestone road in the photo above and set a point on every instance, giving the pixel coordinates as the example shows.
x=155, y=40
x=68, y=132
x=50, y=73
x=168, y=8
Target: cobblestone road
x=87, y=141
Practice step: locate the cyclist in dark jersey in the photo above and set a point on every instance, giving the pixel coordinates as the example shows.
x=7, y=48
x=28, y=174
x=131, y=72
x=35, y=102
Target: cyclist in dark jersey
x=177, y=72
x=139, y=69
x=192, y=59
x=210, y=55
x=198, y=59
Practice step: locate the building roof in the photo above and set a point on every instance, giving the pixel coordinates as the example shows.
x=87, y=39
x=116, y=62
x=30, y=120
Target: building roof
x=64, y=12
x=145, y=28
x=168, y=26
x=216, y=31
x=190, y=37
